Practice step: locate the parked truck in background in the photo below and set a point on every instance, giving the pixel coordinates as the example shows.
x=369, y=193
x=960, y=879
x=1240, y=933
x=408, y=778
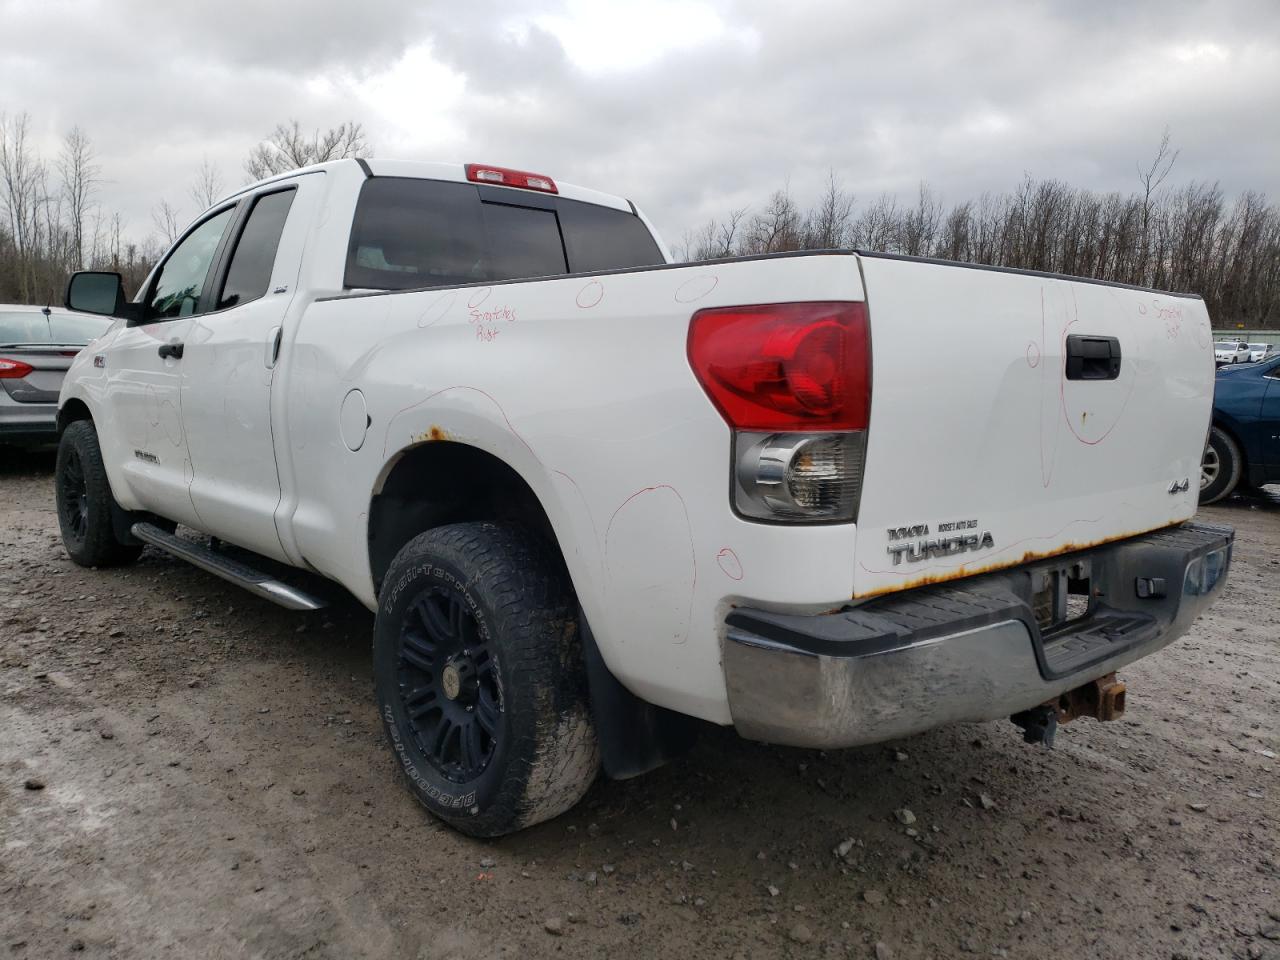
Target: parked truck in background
x=597, y=499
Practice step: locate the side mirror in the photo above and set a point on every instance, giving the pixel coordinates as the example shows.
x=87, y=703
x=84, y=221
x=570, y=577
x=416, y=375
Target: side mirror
x=99, y=292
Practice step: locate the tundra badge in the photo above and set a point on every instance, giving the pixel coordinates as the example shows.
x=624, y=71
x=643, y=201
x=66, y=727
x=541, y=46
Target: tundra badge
x=925, y=547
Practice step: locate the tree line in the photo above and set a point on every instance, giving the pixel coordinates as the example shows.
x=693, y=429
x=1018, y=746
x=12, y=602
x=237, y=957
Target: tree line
x=54, y=218
x=1187, y=238
x=1191, y=237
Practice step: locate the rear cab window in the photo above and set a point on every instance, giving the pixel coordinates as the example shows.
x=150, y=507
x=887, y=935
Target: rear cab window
x=409, y=233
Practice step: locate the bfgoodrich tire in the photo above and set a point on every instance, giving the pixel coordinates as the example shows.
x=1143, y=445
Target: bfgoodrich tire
x=1221, y=467
x=85, y=503
x=480, y=680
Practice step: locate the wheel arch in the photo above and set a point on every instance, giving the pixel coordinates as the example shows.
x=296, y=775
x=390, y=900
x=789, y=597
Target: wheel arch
x=74, y=409
x=440, y=481
x=443, y=481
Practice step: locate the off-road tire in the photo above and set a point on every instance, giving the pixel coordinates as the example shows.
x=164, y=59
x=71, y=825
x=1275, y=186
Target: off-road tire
x=84, y=501
x=1230, y=466
x=544, y=754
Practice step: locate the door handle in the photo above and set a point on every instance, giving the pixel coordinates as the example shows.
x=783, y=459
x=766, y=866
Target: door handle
x=1093, y=358
x=273, y=347
x=168, y=350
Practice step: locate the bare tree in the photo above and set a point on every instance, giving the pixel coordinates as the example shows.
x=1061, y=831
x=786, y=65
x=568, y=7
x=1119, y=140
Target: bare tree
x=80, y=176
x=167, y=221
x=1151, y=177
x=206, y=189
x=21, y=182
x=777, y=227
x=288, y=148
x=827, y=226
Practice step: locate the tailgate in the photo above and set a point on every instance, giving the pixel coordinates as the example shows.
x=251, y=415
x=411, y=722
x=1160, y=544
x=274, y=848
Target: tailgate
x=1003, y=429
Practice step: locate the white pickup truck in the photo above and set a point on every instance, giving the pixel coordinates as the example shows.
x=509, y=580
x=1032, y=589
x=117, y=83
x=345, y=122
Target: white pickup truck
x=598, y=499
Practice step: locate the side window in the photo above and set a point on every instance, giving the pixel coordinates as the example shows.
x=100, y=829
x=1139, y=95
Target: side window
x=178, y=287
x=255, y=254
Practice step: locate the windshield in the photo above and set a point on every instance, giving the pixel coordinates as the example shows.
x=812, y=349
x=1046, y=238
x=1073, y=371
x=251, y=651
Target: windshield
x=36, y=327
x=1257, y=346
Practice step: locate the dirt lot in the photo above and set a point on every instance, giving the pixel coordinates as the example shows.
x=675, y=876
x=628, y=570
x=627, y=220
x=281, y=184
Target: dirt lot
x=216, y=784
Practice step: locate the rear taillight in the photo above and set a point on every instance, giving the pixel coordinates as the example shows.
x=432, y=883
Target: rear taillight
x=785, y=366
x=13, y=369
x=480, y=173
x=793, y=380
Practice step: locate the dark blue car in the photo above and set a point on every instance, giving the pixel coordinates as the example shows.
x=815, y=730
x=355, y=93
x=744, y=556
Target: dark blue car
x=1244, y=443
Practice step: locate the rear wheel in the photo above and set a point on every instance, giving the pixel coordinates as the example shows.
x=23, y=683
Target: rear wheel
x=1221, y=467
x=84, y=501
x=480, y=680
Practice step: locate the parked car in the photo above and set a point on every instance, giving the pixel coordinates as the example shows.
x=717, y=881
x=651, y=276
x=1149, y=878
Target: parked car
x=37, y=345
x=1260, y=351
x=597, y=498
x=1231, y=351
x=1244, y=440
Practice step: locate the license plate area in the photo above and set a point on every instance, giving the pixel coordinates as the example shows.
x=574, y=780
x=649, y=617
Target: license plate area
x=1062, y=595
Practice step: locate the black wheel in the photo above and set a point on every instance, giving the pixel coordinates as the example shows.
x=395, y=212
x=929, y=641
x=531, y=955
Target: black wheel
x=85, y=503
x=480, y=680
x=1221, y=467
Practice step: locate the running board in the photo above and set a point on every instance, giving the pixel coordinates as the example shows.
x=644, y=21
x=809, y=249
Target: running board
x=255, y=581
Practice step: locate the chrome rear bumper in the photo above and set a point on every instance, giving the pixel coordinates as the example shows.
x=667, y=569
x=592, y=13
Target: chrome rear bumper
x=937, y=655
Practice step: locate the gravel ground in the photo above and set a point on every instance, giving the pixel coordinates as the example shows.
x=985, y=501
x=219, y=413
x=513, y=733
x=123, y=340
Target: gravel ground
x=210, y=779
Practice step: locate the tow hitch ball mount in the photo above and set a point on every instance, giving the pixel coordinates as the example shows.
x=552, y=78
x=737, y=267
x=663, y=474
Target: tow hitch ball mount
x=1102, y=699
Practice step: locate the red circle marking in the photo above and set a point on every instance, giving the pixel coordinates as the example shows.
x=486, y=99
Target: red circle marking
x=590, y=295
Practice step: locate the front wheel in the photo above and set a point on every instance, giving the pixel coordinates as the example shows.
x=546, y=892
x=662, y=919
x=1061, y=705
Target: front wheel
x=480, y=680
x=84, y=501
x=1221, y=467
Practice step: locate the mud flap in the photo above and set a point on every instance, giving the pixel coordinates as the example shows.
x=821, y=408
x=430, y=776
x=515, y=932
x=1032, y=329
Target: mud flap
x=635, y=736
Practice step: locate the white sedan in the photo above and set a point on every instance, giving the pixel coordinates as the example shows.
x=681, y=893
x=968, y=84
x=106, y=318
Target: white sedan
x=1260, y=351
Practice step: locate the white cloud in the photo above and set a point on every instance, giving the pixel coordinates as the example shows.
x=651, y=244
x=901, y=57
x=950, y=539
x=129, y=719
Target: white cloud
x=690, y=109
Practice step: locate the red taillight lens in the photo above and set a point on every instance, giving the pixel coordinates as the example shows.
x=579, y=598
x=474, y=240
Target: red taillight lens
x=480, y=173
x=13, y=369
x=785, y=366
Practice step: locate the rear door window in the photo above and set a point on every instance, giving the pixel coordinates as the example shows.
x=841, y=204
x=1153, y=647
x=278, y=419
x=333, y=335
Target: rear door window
x=411, y=233
x=254, y=258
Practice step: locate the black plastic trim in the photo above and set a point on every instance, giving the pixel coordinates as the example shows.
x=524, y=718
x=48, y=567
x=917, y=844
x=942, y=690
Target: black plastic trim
x=590, y=273
x=364, y=165
x=1022, y=271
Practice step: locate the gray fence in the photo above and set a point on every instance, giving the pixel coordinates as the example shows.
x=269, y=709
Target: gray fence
x=1249, y=336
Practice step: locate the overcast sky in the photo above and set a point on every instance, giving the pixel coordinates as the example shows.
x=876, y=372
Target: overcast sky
x=688, y=108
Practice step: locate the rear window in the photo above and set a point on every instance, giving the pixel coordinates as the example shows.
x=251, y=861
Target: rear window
x=35, y=327
x=410, y=233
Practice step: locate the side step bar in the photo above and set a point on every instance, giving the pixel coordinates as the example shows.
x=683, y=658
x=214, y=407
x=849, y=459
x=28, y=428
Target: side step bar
x=256, y=582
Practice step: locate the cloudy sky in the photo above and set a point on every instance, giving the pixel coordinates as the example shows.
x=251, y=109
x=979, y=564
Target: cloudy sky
x=688, y=108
